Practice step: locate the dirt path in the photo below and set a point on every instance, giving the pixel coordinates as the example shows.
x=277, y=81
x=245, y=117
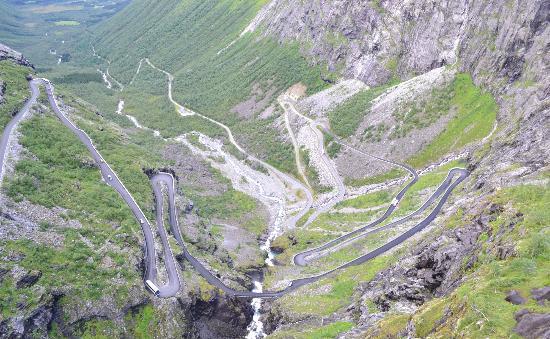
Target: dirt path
x=325, y=165
x=289, y=180
x=297, y=156
x=105, y=75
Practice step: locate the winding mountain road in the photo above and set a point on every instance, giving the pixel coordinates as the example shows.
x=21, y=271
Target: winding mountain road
x=157, y=180
x=110, y=178
x=446, y=188
x=328, y=166
x=283, y=176
x=8, y=130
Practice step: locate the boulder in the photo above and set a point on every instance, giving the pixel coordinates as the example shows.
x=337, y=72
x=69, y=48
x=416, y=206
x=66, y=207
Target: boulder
x=515, y=298
x=28, y=279
x=532, y=325
x=7, y=53
x=541, y=294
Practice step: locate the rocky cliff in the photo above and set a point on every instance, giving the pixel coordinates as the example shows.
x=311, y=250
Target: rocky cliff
x=504, y=45
x=55, y=280
x=479, y=270
x=6, y=53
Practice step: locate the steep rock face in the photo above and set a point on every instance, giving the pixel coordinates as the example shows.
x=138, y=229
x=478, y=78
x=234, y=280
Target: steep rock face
x=506, y=50
x=500, y=43
x=433, y=268
x=504, y=46
x=371, y=40
x=220, y=317
x=7, y=53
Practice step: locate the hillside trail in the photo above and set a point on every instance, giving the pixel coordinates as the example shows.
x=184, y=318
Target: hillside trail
x=106, y=75
x=291, y=181
x=297, y=157
x=326, y=166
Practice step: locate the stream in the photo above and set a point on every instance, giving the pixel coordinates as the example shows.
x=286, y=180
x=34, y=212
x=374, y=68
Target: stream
x=267, y=188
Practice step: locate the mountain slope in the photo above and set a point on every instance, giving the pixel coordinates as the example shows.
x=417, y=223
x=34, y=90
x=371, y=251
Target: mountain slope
x=435, y=85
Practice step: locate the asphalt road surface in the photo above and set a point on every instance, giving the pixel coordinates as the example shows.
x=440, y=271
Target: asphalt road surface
x=11, y=125
x=157, y=180
x=110, y=177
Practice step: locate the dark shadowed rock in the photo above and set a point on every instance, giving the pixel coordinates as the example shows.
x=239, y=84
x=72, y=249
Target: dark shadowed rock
x=515, y=298
x=189, y=207
x=3, y=272
x=532, y=325
x=29, y=279
x=7, y=53
x=541, y=294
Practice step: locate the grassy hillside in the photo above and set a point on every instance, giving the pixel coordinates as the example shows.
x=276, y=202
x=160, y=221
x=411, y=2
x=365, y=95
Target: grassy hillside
x=14, y=90
x=188, y=39
x=478, y=309
x=57, y=171
x=11, y=27
x=476, y=112
x=185, y=37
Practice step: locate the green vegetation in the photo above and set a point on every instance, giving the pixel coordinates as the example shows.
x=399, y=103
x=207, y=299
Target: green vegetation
x=24, y=27
x=97, y=329
x=15, y=91
x=127, y=155
x=478, y=307
x=323, y=332
x=57, y=171
x=367, y=200
x=76, y=265
x=143, y=322
x=377, y=179
x=374, y=133
x=209, y=82
x=139, y=322
x=422, y=113
x=377, y=6
x=475, y=117
x=311, y=173
x=412, y=201
x=346, y=117
x=11, y=26
x=260, y=138
x=67, y=23
x=331, y=146
x=391, y=326
x=63, y=174
x=78, y=78
x=318, y=300
x=231, y=204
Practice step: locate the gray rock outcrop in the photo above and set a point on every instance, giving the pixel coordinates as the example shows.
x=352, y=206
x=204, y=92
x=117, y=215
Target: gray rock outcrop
x=532, y=325
x=6, y=53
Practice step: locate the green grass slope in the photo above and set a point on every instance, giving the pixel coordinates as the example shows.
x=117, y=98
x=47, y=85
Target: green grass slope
x=11, y=28
x=187, y=38
x=476, y=112
x=184, y=38
x=15, y=90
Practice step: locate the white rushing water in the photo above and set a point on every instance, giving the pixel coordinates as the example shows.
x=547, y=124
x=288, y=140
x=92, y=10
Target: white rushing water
x=105, y=79
x=256, y=327
x=120, y=106
x=133, y=119
x=265, y=187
